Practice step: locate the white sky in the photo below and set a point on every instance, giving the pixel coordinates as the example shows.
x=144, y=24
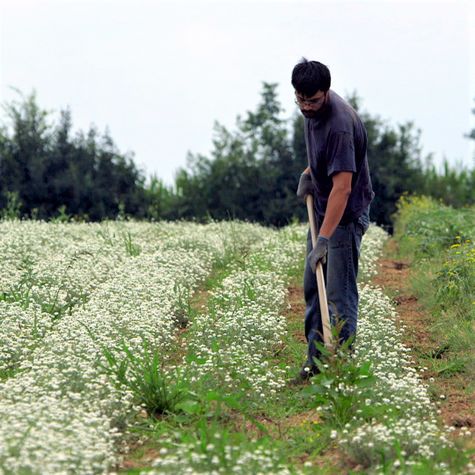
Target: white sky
x=158, y=74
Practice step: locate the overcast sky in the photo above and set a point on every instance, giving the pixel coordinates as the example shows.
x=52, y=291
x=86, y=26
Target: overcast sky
x=158, y=74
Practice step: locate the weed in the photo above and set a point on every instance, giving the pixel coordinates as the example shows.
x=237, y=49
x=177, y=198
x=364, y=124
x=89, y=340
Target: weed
x=342, y=383
x=184, y=312
x=143, y=374
x=450, y=367
x=131, y=248
x=455, y=282
x=9, y=373
x=106, y=234
x=339, y=389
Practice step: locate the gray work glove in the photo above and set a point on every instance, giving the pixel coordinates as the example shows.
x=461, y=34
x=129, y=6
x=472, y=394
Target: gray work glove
x=318, y=253
x=305, y=186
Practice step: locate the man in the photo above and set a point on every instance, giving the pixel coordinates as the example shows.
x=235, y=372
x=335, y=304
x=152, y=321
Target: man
x=338, y=178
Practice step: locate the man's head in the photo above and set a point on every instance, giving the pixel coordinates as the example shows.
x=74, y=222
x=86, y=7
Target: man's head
x=311, y=81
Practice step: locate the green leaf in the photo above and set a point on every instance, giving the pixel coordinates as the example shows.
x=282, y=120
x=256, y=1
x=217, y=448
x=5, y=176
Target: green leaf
x=189, y=406
x=213, y=396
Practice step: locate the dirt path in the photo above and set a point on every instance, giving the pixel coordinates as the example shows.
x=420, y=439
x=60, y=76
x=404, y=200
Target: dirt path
x=456, y=404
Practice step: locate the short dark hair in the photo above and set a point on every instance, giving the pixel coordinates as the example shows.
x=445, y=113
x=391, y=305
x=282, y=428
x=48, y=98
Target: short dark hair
x=308, y=77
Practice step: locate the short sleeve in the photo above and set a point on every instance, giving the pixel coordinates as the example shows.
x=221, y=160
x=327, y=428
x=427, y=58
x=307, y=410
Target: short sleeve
x=340, y=153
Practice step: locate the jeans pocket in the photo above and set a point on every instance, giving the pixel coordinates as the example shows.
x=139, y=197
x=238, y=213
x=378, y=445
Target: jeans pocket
x=363, y=221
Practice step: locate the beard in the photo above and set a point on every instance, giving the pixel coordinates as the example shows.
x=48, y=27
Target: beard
x=318, y=114
x=310, y=114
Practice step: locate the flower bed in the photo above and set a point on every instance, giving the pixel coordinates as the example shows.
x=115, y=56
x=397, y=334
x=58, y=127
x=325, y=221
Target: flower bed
x=60, y=413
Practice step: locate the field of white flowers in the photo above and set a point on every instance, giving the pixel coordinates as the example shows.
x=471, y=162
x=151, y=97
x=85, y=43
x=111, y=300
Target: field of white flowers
x=70, y=291
x=62, y=284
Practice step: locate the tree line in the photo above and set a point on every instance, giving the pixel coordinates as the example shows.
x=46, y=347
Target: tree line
x=47, y=172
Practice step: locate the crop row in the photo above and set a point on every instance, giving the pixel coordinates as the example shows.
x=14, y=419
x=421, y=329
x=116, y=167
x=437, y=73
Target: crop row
x=60, y=412
x=231, y=351
x=235, y=351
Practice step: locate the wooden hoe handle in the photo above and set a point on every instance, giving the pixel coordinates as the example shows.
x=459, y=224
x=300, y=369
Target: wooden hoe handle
x=322, y=293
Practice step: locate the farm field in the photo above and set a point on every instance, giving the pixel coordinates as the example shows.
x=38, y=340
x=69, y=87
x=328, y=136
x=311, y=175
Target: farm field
x=131, y=347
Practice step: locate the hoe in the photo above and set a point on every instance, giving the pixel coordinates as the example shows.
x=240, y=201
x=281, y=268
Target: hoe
x=322, y=294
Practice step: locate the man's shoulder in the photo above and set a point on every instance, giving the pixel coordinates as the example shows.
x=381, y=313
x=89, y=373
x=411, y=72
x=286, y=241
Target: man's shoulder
x=340, y=108
x=338, y=103
x=342, y=117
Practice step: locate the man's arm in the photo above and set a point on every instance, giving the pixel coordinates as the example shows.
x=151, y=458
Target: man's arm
x=336, y=204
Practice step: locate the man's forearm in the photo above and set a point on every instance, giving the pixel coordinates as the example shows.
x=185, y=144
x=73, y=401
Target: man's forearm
x=336, y=205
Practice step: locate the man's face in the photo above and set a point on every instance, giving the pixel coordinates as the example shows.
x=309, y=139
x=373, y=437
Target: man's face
x=311, y=106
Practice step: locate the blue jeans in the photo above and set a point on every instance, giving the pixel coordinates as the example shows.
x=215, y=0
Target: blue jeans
x=340, y=271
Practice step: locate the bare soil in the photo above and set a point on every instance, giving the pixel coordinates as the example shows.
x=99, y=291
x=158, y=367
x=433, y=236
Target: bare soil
x=295, y=312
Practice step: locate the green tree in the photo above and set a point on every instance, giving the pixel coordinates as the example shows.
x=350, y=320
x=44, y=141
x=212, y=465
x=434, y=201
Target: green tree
x=51, y=172
x=395, y=161
x=24, y=154
x=251, y=173
x=160, y=200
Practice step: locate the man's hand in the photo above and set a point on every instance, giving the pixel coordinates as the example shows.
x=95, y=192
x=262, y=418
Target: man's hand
x=305, y=186
x=318, y=253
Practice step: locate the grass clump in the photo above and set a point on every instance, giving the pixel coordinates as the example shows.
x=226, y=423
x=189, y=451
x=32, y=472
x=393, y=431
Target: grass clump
x=143, y=374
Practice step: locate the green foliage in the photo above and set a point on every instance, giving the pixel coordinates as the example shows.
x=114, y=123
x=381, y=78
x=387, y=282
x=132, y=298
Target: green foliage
x=131, y=248
x=184, y=312
x=48, y=170
x=426, y=227
x=8, y=373
x=342, y=384
x=62, y=216
x=454, y=186
x=207, y=447
x=159, y=199
x=252, y=173
x=143, y=374
x=12, y=208
x=56, y=300
x=455, y=282
x=440, y=240
x=446, y=460
x=20, y=291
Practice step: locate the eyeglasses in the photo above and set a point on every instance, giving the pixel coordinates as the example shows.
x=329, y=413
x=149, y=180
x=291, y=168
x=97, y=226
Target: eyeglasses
x=309, y=102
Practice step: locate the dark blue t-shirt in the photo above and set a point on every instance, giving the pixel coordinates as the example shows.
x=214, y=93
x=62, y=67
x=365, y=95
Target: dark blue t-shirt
x=336, y=142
